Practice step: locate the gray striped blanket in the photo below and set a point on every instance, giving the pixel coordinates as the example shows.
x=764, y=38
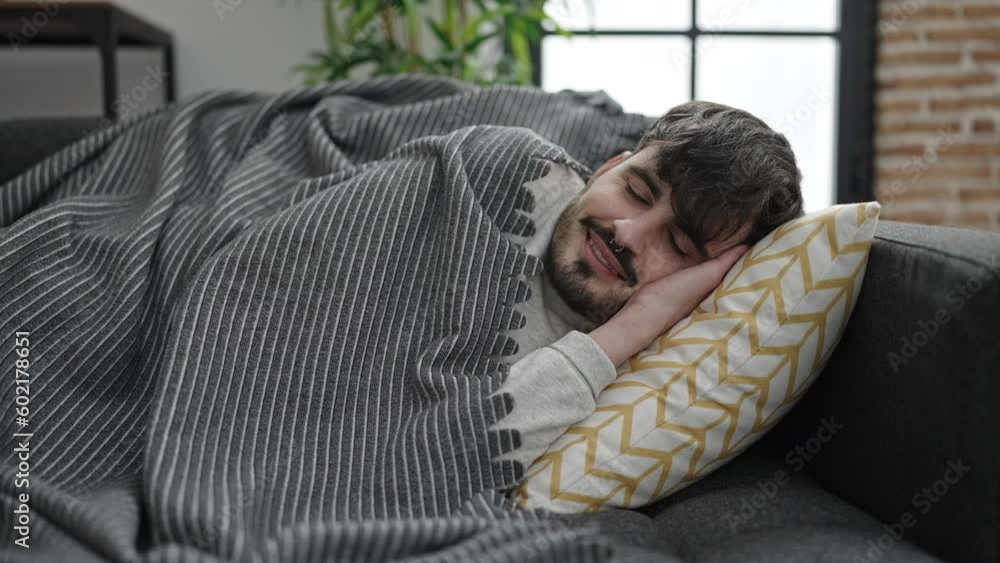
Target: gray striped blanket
x=265, y=327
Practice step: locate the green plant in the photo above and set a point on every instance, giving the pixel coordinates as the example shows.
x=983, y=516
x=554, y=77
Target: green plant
x=387, y=35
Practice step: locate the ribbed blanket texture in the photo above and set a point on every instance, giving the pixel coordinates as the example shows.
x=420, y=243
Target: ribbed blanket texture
x=265, y=327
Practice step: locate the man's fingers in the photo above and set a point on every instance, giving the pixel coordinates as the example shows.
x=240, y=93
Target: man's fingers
x=729, y=257
x=702, y=279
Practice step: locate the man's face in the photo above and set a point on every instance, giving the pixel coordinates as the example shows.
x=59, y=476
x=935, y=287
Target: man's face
x=648, y=243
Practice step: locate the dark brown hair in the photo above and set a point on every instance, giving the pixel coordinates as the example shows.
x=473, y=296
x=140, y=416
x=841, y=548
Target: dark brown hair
x=726, y=169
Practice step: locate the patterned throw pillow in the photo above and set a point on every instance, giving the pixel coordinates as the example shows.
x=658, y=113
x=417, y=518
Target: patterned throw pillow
x=718, y=380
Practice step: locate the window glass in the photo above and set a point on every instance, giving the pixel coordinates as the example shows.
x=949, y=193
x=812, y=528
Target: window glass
x=621, y=14
x=744, y=72
x=771, y=15
x=647, y=75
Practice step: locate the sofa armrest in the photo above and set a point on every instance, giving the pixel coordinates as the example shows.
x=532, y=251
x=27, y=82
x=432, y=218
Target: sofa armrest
x=914, y=384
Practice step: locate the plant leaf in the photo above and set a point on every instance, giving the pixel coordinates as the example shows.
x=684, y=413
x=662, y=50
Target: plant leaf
x=440, y=33
x=305, y=67
x=473, y=26
x=473, y=45
x=360, y=19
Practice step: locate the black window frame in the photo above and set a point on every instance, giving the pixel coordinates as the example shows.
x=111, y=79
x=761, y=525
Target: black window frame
x=855, y=112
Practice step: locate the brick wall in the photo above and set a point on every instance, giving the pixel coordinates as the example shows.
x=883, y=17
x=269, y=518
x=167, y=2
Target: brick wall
x=937, y=132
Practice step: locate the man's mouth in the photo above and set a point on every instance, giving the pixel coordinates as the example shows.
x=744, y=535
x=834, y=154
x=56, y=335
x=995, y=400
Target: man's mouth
x=602, y=255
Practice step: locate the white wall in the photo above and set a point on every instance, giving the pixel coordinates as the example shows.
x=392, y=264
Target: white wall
x=242, y=44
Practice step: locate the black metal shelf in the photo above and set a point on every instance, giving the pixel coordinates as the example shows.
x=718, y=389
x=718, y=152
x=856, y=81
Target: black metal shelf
x=100, y=24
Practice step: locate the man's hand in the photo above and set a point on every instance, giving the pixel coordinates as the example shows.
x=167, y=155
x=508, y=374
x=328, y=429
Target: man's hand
x=657, y=307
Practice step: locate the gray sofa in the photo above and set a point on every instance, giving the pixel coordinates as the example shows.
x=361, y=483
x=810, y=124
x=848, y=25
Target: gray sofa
x=891, y=456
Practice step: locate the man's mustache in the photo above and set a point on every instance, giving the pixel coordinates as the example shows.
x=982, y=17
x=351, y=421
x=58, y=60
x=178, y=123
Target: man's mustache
x=624, y=257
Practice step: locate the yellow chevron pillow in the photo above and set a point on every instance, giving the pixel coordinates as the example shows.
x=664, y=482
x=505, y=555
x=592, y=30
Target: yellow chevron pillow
x=718, y=380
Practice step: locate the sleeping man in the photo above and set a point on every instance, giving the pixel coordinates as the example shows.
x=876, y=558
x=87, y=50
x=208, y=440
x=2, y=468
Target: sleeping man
x=287, y=342
x=632, y=251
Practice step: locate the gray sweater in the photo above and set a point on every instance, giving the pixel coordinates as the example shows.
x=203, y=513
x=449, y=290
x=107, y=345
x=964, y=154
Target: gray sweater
x=558, y=370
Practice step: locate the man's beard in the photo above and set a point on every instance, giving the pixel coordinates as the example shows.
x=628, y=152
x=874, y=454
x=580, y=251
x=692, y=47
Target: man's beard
x=574, y=281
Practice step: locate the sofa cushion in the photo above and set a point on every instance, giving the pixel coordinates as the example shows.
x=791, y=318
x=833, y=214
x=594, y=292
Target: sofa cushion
x=761, y=508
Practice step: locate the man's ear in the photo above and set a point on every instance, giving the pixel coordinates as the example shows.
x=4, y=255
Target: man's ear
x=612, y=162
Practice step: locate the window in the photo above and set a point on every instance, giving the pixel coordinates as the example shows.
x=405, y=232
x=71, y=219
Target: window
x=806, y=68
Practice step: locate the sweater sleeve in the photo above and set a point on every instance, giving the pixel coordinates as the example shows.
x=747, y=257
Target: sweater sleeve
x=553, y=388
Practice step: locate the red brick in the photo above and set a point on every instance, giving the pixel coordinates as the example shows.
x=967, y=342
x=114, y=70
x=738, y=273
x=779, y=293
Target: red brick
x=965, y=102
x=940, y=80
x=891, y=127
x=980, y=169
x=899, y=36
x=984, y=125
x=983, y=195
x=908, y=106
x=901, y=150
x=986, y=56
x=981, y=10
x=920, y=57
x=956, y=149
x=968, y=149
x=898, y=14
x=964, y=34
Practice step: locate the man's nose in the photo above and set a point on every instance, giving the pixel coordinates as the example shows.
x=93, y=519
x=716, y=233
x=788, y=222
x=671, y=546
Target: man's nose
x=645, y=238
x=638, y=234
